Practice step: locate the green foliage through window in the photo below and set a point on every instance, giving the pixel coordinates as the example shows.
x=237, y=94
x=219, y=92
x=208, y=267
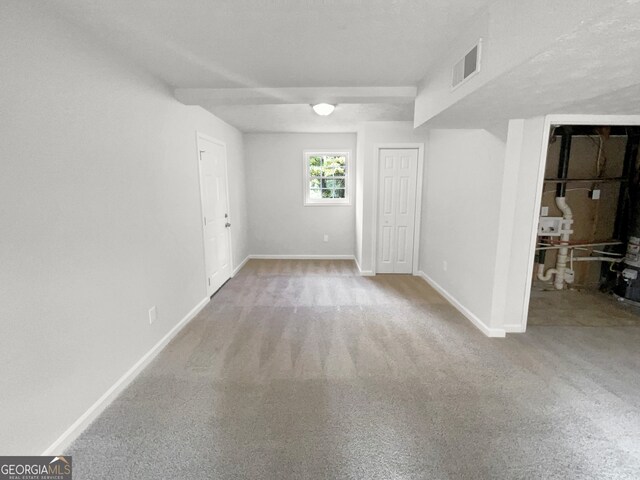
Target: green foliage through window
x=327, y=176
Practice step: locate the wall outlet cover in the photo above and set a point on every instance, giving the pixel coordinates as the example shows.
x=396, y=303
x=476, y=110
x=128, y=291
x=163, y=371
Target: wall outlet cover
x=153, y=314
x=544, y=211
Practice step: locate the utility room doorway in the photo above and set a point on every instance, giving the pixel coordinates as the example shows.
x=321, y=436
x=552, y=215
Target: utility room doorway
x=587, y=261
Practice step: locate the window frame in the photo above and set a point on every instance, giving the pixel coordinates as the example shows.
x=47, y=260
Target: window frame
x=319, y=202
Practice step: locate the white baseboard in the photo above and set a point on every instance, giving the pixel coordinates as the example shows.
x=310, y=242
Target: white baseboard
x=514, y=328
x=103, y=402
x=363, y=273
x=239, y=267
x=302, y=257
x=484, y=328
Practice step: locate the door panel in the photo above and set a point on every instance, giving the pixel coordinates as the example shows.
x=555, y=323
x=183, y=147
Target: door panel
x=402, y=245
x=215, y=208
x=396, y=210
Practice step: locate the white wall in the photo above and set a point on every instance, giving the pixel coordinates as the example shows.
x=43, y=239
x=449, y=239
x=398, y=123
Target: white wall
x=279, y=222
x=523, y=154
x=100, y=215
x=370, y=135
x=462, y=192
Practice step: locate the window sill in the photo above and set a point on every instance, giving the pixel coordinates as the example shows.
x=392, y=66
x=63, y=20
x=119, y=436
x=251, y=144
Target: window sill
x=327, y=204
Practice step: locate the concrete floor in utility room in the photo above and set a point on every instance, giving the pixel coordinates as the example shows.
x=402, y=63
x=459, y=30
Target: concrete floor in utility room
x=580, y=307
x=305, y=370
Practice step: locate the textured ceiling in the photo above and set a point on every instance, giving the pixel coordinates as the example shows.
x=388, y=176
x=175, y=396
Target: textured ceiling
x=594, y=69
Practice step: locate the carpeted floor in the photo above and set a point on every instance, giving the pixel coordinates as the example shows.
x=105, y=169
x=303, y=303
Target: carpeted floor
x=304, y=370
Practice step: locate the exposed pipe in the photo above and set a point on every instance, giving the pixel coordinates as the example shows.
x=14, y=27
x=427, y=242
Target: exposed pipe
x=586, y=180
x=630, y=155
x=604, y=259
x=558, y=272
x=597, y=259
x=579, y=246
x=545, y=276
x=563, y=252
x=563, y=164
x=607, y=254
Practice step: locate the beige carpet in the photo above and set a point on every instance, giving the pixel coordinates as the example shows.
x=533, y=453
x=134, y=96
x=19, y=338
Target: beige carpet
x=304, y=370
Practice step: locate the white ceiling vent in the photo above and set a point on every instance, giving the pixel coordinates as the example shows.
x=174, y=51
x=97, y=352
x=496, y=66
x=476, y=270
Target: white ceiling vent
x=467, y=67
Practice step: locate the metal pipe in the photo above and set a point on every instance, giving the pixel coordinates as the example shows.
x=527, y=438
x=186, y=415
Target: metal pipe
x=541, y=256
x=597, y=259
x=609, y=254
x=563, y=164
x=586, y=180
x=556, y=247
x=561, y=189
x=620, y=227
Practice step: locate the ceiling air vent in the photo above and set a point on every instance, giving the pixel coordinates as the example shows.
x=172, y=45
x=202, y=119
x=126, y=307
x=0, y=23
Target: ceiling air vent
x=468, y=66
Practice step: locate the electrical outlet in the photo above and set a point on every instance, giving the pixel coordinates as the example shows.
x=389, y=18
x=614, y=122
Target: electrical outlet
x=553, y=226
x=153, y=314
x=594, y=194
x=326, y=238
x=544, y=212
x=444, y=265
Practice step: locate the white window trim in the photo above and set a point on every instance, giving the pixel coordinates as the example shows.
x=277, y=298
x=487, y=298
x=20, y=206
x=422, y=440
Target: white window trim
x=323, y=202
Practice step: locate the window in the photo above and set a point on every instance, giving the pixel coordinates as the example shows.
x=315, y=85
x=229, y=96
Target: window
x=326, y=178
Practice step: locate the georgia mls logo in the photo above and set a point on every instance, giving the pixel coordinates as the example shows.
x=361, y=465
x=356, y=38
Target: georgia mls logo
x=62, y=460
x=36, y=468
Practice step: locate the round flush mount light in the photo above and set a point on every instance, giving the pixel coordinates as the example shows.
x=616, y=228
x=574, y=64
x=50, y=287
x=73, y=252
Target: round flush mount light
x=323, y=109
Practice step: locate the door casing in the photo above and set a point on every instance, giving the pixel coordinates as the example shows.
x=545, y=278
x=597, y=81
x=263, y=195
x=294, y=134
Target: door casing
x=200, y=137
x=418, y=213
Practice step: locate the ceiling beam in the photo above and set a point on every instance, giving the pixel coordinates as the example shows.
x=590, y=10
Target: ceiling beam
x=310, y=95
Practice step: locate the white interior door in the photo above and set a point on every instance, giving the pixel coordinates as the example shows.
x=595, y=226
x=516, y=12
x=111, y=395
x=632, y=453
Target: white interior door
x=398, y=172
x=215, y=213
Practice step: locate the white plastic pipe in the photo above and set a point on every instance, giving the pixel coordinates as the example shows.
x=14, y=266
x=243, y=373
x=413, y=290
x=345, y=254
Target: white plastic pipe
x=563, y=251
x=545, y=277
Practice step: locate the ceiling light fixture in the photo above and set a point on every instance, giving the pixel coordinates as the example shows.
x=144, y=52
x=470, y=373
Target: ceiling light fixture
x=323, y=109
